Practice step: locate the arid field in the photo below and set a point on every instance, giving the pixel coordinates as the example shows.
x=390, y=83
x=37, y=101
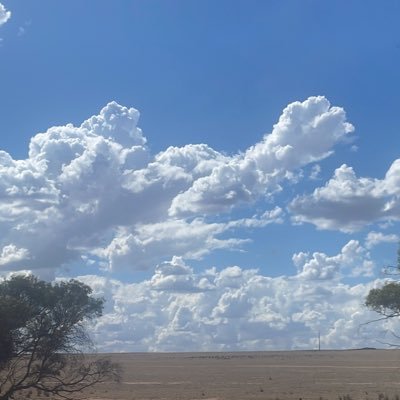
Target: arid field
x=362, y=374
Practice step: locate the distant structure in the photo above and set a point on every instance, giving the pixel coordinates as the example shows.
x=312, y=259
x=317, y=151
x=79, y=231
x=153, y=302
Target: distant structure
x=319, y=340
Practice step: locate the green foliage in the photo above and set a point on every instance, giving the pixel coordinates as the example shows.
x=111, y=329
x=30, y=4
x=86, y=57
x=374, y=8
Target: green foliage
x=42, y=335
x=385, y=300
x=48, y=317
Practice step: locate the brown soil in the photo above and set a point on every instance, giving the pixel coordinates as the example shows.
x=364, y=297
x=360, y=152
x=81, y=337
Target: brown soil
x=362, y=374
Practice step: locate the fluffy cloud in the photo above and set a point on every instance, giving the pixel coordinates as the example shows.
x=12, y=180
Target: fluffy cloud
x=349, y=203
x=95, y=192
x=4, y=14
x=353, y=260
x=237, y=309
x=147, y=244
x=306, y=132
x=11, y=254
x=176, y=276
x=315, y=172
x=374, y=238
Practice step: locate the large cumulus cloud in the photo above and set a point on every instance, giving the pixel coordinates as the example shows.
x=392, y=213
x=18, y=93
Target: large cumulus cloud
x=95, y=192
x=306, y=132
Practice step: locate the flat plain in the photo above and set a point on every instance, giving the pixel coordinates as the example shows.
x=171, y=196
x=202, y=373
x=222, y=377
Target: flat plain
x=362, y=374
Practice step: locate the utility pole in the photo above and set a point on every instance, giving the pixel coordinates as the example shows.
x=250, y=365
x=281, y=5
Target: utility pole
x=319, y=340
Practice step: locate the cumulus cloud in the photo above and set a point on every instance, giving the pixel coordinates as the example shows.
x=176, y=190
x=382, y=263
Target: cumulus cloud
x=348, y=203
x=353, y=260
x=306, y=132
x=236, y=309
x=4, y=14
x=375, y=238
x=11, y=254
x=176, y=276
x=147, y=244
x=95, y=191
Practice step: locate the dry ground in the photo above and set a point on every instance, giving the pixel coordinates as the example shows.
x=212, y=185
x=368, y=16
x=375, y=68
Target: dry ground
x=363, y=374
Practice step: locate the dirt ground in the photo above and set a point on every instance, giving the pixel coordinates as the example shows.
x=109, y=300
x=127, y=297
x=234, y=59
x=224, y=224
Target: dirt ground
x=362, y=374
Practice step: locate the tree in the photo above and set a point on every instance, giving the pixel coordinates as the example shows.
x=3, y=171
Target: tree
x=386, y=300
x=43, y=336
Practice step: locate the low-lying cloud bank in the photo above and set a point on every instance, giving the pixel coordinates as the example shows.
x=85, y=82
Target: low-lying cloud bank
x=236, y=309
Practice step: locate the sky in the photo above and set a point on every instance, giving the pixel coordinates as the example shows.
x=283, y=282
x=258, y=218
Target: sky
x=225, y=174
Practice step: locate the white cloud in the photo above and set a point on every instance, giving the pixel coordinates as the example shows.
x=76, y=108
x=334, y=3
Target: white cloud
x=176, y=276
x=374, y=238
x=353, y=260
x=235, y=309
x=305, y=133
x=11, y=254
x=95, y=192
x=147, y=244
x=151, y=243
x=315, y=172
x=349, y=203
x=5, y=15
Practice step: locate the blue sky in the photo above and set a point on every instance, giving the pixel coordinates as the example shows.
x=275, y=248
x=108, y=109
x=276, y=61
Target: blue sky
x=296, y=219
